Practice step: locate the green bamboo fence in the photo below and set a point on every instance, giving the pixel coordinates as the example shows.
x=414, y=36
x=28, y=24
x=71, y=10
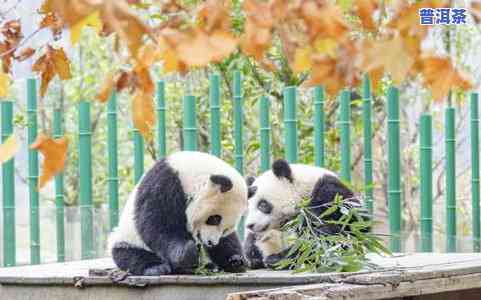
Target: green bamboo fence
x=319, y=126
x=59, y=190
x=367, y=126
x=85, y=183
x=345, y=128
x=161, y=120
x=190, y=124
x=475, y=186
x=265, y=133
x=8, y=190
x=450, y=140
x=290, y=131
x=214, y=100
x=113, y=176
x=426, y=182
x=33, y=172
x=290, y=123
x=394, y=169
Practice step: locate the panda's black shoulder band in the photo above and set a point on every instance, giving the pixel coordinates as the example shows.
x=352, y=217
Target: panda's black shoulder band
x=224, y=182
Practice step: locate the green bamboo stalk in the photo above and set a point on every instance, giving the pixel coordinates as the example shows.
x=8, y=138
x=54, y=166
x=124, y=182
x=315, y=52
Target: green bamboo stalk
x=450, y=140
x=475, y=186
x=59, y=191
x=290, y=123
x=426, y=184
x=85, y=170
x=8, y=190
x=214, y=97
x=161, y=120
x=367, y=122
x=319, y=117
x=112, y=146
x=238, y=133
x=265, y=133
x=189, y=124
x=238, y=123
x=344, y=124
x=138, y=155
x=33, y=172
x=394, y=169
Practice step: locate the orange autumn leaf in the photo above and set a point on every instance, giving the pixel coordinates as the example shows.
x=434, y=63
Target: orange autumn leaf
x=54, y=152
x=50, y=20
x=106, y=89
x=147, y=55
x=441, y=76
x=25, y=54
x=123, y=80
x=8, y=149
x=365, y=10
x=257, y=37
x=390, y=55
x=406, y=19
x=143, y=113
x=476, y=11
x=53, y=62
x=144, y=80
x=4, y=84
x=325, y=72
x=61, y=63
x=199, y=48
x=324, y=20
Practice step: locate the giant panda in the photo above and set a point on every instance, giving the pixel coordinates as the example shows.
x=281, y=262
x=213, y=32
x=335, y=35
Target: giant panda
x=185, y=200
x=273, y=200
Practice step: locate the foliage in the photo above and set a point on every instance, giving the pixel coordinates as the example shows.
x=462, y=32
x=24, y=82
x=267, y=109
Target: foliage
x=314, y=251
x=55, y=152
x=306, y=42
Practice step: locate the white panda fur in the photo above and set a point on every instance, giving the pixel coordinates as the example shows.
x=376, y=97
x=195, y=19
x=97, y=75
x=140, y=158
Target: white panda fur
x=283, y=187
x=169, y=208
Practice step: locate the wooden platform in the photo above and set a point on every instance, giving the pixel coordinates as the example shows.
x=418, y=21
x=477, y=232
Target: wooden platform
x=432, y=276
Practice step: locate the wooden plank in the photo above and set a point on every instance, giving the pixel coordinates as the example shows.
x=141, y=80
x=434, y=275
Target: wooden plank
x=409, y=276
x=397, y=277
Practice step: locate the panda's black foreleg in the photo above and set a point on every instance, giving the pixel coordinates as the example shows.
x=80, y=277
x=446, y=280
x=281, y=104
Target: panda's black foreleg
x=227, y=254
x=272, y=260
x=253, y=253
x=181, y=252
x=138, y=261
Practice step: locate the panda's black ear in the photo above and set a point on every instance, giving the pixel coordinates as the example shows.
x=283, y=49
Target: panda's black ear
x=223, y=181
x=281, y=169
x=250, y=180
x=251, y=190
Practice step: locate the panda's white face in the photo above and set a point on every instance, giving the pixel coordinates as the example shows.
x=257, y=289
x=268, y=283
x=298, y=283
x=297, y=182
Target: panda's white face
x=209, y=227
x=272, y=202
x=214, y=213
x=275, y=195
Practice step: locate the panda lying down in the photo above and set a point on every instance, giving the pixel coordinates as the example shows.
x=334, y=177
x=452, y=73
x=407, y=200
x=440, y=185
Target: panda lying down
x=273, y=200
x=189, y=198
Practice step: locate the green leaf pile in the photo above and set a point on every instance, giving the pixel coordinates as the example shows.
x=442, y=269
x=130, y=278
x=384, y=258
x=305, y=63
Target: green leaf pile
x=345, y=251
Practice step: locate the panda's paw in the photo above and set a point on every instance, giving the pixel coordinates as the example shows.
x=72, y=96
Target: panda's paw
x=186, y=258
x=162, y=269
x=236, y=264
x=256, y=263
x=272, y=260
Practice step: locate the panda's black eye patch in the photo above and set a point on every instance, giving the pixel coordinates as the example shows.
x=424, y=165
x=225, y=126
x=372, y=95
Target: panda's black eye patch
x=264, y=206
x=213, y=220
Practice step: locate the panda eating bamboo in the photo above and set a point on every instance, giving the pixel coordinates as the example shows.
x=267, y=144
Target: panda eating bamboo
x=187, y=199
x=273, y=200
